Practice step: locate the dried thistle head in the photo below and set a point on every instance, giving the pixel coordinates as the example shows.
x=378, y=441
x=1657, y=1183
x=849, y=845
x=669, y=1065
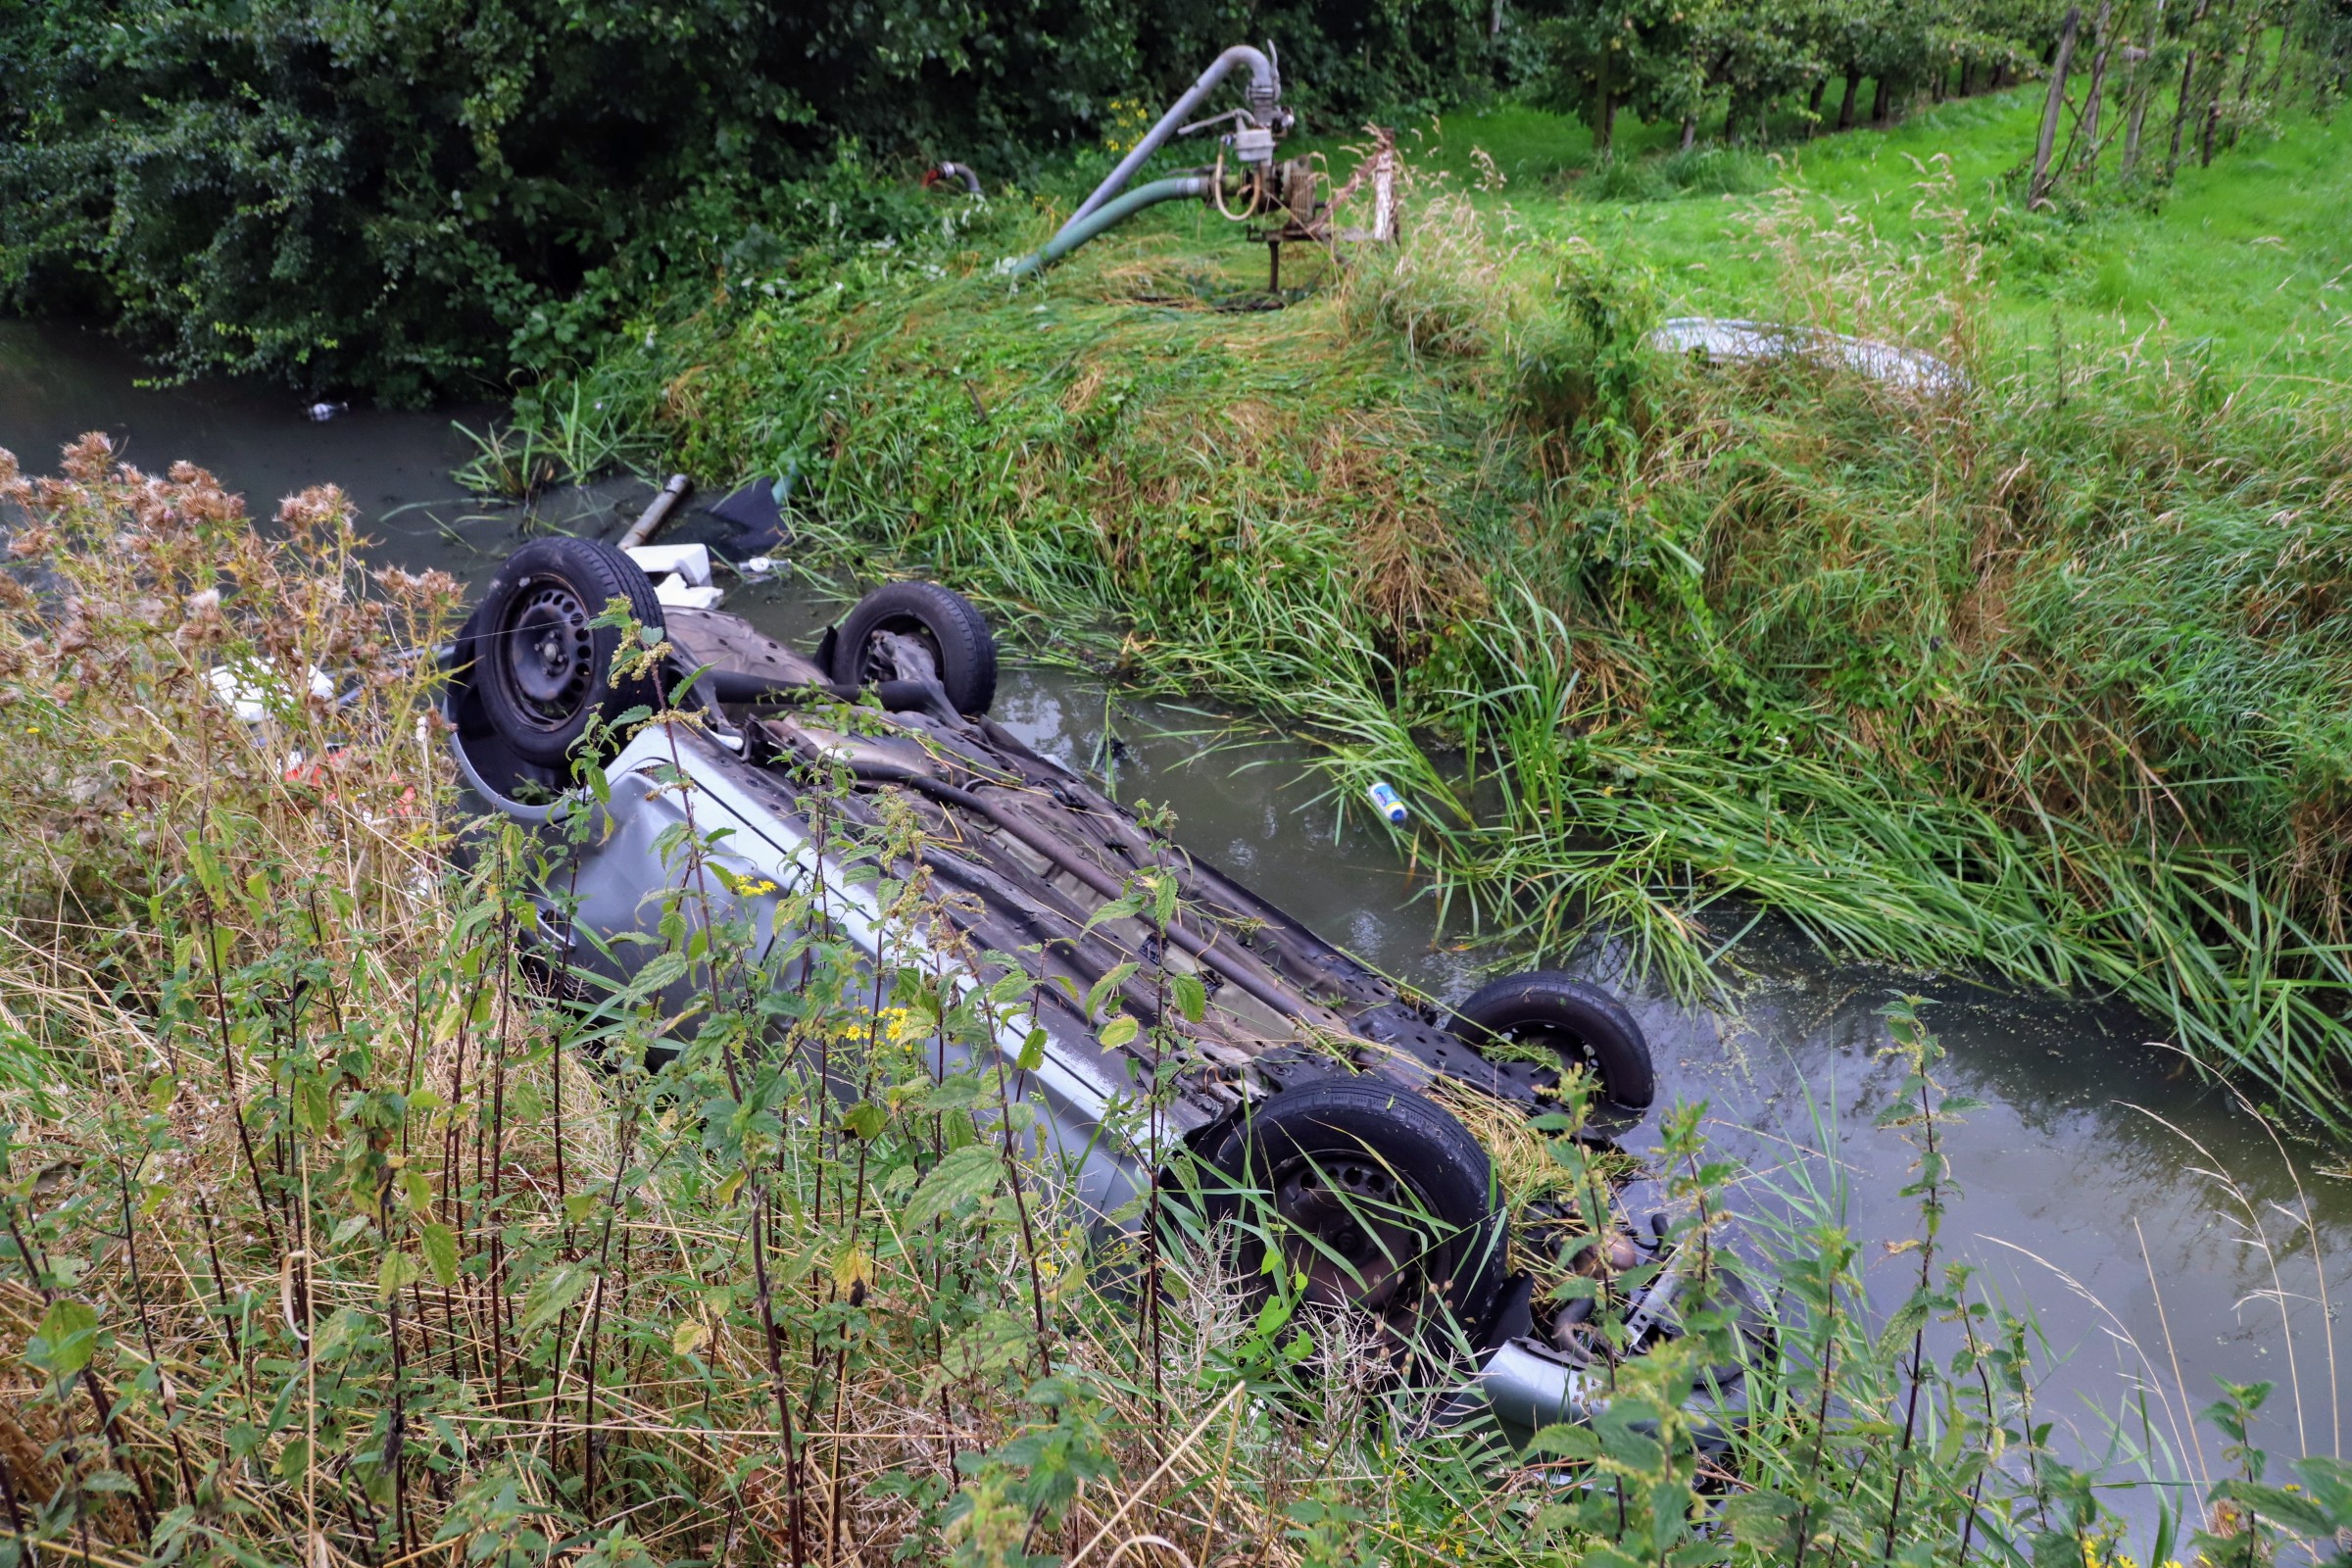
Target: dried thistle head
x=85, y=461
x=321, y=510
x=135, y=592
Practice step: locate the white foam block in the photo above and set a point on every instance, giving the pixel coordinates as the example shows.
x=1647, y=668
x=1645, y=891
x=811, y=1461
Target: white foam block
x=690, y=562
x=673, y=592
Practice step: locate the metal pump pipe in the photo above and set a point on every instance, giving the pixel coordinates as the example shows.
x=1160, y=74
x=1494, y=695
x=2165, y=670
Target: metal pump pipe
x=1264, y=98
x=1078, y=230
x=958, y=172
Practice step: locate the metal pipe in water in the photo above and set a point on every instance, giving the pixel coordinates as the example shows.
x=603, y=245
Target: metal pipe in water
x=656, y=514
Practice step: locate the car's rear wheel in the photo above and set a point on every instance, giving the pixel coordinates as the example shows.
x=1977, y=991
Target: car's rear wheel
x=954, y=633
x=1378, y=1201
x=541, y=671
x=1569, y=1024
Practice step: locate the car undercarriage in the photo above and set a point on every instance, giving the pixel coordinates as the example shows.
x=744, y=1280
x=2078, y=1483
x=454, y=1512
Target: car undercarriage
x=1295, y=1076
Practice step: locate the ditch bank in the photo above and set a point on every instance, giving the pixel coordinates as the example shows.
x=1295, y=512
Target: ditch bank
x=2156, y=1223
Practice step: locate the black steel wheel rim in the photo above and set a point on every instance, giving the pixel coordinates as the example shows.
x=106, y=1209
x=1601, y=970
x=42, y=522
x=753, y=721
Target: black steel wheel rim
x=1568, y=1050
x=1344, y=1216
x=546, y=653
x=874, y=664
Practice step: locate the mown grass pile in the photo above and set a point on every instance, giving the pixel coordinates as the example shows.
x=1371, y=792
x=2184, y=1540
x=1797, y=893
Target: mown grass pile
x=2040, y=676
x=326, y=1235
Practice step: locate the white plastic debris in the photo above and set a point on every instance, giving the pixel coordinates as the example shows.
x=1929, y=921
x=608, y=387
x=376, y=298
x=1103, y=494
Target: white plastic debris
x=757, y=567
x=321, y=413
x=251, y=692
x=691, y=562
x=1724, y=338
x=675, y=593
x=680, y=573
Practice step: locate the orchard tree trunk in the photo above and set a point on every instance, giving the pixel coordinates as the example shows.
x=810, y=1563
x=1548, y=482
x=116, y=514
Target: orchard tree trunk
x=2245, y=74
x=1690, y=131
x=1882, y=107
x=2098, y=84
x=1853, y=91
x=2171, y=158
x=2054, y=105
x=1604, y=127
x=2143, y=88
x=2286, y=36
x=2188, y=73
x=1821, y=86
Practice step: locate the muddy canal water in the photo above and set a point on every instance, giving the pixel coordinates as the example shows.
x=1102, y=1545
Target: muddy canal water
x=2102, y=1181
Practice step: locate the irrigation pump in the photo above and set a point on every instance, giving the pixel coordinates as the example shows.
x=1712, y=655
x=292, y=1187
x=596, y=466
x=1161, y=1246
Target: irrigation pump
x=1246, y=183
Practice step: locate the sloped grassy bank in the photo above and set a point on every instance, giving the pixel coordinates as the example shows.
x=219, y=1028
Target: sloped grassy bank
x=2043, y=676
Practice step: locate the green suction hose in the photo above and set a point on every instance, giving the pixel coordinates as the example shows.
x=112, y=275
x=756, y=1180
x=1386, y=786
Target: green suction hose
x=1124, y=206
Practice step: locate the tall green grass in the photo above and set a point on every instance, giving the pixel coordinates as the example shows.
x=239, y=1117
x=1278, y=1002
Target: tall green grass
x=2042, y=677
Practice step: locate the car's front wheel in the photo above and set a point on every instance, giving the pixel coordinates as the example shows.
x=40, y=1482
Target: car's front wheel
x=1377, y=1200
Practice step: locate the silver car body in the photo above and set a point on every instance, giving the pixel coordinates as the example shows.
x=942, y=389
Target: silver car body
x=1082, y=1092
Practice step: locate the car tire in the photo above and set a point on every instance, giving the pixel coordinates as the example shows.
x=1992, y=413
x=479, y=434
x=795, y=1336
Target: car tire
x=1380, y=1176
x=541, y=672
x=1584, y=1024
x=944, y=620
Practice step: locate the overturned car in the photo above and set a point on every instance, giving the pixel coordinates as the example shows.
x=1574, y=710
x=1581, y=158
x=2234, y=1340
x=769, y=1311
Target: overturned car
x=1301, y=1076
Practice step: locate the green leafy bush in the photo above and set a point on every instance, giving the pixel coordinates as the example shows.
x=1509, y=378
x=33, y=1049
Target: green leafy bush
x=401, y=200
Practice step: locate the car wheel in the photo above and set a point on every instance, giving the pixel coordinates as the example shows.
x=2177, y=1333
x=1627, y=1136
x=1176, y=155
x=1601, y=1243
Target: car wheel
x=542, y=672
x=1576, y=1024
x=1379, y=1201
x=944, y=621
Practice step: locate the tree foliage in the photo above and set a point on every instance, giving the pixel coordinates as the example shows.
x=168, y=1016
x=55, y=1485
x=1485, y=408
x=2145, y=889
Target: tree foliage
x=391, y=196
x=1702, y=59
x=410, y=198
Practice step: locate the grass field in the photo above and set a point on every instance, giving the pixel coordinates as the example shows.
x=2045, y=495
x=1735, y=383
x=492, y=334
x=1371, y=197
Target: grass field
x=2252, y=254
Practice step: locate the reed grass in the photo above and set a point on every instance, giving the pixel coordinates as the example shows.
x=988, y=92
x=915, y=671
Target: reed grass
x=2039, y=678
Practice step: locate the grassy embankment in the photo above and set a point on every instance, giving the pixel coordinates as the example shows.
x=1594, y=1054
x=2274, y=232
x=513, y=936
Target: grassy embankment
x=2041, y=679
x=324, y=1238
